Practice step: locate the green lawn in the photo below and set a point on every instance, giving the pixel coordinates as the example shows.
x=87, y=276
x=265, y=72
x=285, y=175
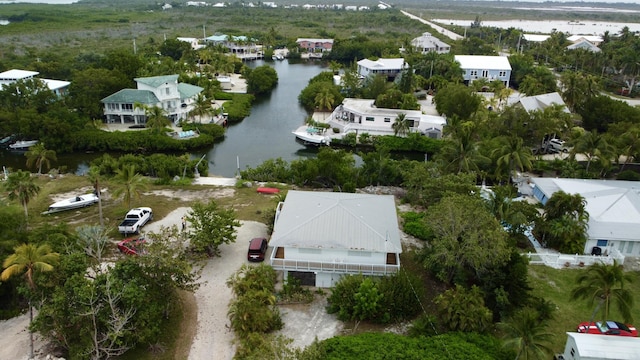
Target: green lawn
x=555, y=285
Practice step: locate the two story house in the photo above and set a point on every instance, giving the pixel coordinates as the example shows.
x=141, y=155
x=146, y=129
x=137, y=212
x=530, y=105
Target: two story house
x=176, y=99
x=484, y=67
x=326, y=235
x=315, y=45
x=390, y=68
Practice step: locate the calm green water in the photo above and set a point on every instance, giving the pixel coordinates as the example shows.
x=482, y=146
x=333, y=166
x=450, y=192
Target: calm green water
x=263, y=135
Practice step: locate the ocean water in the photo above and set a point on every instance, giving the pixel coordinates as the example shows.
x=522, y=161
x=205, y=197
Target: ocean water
x=576, y=27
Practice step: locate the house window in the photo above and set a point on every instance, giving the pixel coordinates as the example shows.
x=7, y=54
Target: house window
x=630, y=247
x=369, y=118
x=387, y=119
x=502, y=74
x=168, y=91
x=411, y=123
x=128, y=107
x=602, y=243
x=573, y=352
x=473, y=72
x=485, y=73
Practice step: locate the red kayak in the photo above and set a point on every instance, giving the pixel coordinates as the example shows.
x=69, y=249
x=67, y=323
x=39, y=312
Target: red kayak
x=268, y=190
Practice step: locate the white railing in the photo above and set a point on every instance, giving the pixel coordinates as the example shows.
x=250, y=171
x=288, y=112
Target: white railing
x=558, y=260
x=343, y=268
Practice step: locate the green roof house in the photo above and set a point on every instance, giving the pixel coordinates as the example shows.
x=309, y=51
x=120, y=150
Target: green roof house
x=176, y=99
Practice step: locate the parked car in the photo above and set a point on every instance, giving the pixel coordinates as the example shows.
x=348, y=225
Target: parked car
x=135, y=219
x=132, y=246
x=257, y=249
x=607, y=328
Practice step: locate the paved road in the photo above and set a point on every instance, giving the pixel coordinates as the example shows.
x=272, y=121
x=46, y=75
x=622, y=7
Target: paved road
x=450, y=34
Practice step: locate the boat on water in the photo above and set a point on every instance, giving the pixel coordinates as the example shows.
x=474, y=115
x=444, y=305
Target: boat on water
x=75, y=202
x=277, y=57
x=4, y=142
x=311, y=136
x=23, y=144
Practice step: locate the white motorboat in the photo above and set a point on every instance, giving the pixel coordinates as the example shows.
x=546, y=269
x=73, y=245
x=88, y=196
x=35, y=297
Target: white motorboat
x=23, y=144
x=74, y=203
x=310, y=135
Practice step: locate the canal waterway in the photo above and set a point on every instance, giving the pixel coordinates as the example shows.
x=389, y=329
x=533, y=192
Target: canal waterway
x=265, y=134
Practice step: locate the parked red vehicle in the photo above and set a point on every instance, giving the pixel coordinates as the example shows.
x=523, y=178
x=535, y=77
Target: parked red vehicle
x=132, y=246
x=607, y=328
x=257, y=249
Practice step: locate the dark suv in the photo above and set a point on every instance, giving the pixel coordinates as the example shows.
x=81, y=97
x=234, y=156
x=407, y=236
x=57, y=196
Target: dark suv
x=257, y=249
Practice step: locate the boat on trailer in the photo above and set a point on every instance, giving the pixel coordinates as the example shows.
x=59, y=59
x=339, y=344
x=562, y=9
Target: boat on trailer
x=75, y=202
x=23, y=144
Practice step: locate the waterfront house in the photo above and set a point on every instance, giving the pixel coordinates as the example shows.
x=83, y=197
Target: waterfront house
x=428, y=43
x=241, y=46
x=326, y=235
x=59, y=87
x=594, y=39
x=585, y=45
x=362, y=116
x=176, y=99
x=390, y=68
x=613, y=207
x=484, y=67
x=315, y=45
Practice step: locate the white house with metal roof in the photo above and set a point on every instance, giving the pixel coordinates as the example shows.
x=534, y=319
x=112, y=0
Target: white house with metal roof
x=428, y=43
x=613, y=207
x=175, y=98
x=243, y=47
x=362, y=116
x=390, y=68
x=542, y=101
x=330, y=234
x=585, y=45
x=59, y=87
x=492, y=68
x=581, y=346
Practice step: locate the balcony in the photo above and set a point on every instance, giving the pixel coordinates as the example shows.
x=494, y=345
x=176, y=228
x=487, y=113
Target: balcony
x=279, y=263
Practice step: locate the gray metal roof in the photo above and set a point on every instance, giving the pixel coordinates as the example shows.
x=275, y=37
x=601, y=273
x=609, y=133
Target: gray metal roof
x=331, y=220
x=542, y=101
x=188, y=91
x=131, y=96
x=613, y=205
x=156, y=81
x=593, y=346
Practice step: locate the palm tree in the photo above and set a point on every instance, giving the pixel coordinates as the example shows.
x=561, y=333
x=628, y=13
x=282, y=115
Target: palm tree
x=324, y=99
x=606, y=283
x=156, y=117
x=202, y=107
x=400, y=125
x=21, y=187
x=38, y=155
x=461, y=153
x=29, y=259
x=131, y=183
x=526, y=335
x=593, y=145
x=513, y=155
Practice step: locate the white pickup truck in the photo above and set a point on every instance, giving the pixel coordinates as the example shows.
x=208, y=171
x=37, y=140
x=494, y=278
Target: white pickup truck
x=135, y=219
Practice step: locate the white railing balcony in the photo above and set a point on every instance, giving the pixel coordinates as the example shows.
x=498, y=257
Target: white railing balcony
x=333, y=267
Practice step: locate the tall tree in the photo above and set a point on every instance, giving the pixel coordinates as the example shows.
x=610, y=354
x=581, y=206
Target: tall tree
x=400, y=125
x=606, y=283
x=21, y=187
x=324, y=99
x=130, y=184
x=513, y=156
x=211, y=226
x=527, y=335
x=38, y=155
x=202, y=107
x=156, y=117
x=29, y=259
x=593, y=146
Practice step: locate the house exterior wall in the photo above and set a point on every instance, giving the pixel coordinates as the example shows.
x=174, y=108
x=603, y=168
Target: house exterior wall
x=315, y=46
x=366, y=72
x=336, y=256
x=472, y=74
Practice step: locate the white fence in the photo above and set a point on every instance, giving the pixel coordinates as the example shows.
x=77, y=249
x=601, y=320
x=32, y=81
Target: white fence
x=558, y=260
